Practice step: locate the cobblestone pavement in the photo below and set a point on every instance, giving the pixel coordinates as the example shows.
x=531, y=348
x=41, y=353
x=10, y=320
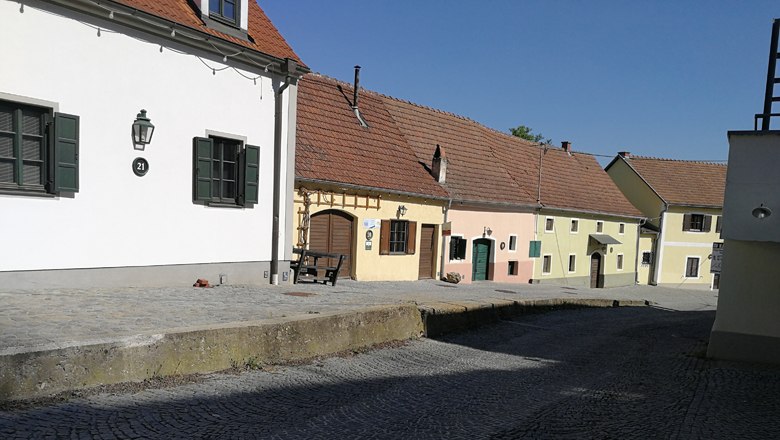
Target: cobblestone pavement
x=56, y=318
x=589, y=373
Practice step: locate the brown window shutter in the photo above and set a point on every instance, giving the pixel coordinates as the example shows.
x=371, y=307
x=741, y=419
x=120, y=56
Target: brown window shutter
x=411, y=238
x=384, y=238
x=686, y=222
x=707, y=223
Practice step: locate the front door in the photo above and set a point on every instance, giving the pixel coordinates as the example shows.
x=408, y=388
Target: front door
x=331, y=232
x=427, y=252
x=480, y=259
x=595, y=270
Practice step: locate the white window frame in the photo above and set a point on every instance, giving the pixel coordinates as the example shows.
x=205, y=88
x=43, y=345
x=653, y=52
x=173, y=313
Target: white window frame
x=621, y=228
x=509, y=244
x=569, y=263
x=599, y=230
x=698, y=267
x=553, y=224
x=574, y=221
x=620, y=261
x=543, y=257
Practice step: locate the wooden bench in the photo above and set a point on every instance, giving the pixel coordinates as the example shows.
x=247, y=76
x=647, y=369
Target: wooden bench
x=313, y=266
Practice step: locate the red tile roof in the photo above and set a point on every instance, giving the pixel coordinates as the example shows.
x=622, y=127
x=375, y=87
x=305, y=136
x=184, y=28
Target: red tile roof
x=264, y=35
x=333, y=146
x=489, y=166
x=683, y=182
x=473, y=173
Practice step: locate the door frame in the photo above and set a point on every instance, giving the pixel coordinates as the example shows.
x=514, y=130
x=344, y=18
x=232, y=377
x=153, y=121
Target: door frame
x=490, y=242
x=599, y=271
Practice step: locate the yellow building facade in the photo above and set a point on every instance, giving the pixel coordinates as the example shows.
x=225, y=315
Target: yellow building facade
x=351, y=223
x=683, y=204
x=586, y=249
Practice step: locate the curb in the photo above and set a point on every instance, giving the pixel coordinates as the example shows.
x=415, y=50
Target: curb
x=31, y=373
x=442, y=318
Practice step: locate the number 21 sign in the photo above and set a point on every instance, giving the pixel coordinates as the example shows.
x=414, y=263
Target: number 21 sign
x=140, y=166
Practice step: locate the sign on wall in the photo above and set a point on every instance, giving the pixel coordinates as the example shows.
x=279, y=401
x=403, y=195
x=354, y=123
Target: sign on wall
x=446, y=229
x=717, y=256
x=371, y=223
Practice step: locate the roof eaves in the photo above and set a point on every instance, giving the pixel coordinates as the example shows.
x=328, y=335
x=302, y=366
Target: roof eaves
x=161, y=27
x=631, y=167
x=370, y=188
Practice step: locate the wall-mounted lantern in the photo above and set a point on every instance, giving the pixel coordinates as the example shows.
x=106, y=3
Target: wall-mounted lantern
x=487, y=231
x=143, y=129
x=402, y=211
x=762, y=212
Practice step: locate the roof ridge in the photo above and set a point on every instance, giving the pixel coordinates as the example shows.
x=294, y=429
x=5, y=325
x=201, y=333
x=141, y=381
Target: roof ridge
x=705, y=162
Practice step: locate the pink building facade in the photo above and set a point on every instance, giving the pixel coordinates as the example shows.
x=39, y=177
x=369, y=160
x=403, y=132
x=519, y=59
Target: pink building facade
x=489, y=245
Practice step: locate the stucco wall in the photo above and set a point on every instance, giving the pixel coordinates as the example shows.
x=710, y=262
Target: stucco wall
x=645, y=271
x=368, y=265
x=118, y=219
x=471, y=224
x=678, y=245
x=636, y=190
x=561, y=242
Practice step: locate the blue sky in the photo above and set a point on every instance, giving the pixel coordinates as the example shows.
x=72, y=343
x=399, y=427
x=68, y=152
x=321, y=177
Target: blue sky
x=657, y=78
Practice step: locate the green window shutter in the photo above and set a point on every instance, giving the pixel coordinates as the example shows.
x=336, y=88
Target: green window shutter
x=251, y=173
x=202, y=158
x=65, y=153
x=454, y=247
x=707, y=223
x=535, y=249
x=462, y=249
x=686, y=222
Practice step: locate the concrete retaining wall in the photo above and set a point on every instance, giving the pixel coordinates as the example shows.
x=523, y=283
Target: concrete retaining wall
x=39, y=373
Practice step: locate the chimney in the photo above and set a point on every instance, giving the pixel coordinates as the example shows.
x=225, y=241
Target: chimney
x=355, y=89
x=439, y=165
x=626, y=154
x=566, y=145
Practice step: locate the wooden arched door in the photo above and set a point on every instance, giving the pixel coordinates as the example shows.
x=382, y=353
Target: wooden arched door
x=596, y=280
x=332, y=231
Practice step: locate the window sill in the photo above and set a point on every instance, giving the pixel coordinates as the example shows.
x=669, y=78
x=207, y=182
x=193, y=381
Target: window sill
x=26, y=192
x=223, y=205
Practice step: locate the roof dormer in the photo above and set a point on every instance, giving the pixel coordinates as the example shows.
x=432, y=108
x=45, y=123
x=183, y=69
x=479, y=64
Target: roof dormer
x=227, y=16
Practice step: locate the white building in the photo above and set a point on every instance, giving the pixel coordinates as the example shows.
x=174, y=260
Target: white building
x=81, y=205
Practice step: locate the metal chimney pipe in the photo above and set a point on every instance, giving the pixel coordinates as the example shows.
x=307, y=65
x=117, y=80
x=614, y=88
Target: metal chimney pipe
x=356, y=88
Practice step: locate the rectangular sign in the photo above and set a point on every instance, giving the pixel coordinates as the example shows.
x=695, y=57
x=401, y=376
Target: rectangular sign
x=446, y=229
x=717, y=256
x=371, y=223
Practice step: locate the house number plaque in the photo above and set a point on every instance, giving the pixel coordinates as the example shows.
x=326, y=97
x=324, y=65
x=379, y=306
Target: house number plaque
x=140, y=166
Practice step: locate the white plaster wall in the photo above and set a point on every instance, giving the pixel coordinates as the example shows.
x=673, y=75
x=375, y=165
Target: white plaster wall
x=118, y=219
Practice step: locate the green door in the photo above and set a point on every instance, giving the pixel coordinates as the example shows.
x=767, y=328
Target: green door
x=480, y=258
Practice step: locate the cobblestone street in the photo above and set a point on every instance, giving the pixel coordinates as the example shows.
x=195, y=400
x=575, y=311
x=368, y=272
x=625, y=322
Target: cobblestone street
x=589, y=373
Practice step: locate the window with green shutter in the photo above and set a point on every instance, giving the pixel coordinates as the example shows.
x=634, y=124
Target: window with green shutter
x=225, y=172
x=39, y=149
x=534, y=249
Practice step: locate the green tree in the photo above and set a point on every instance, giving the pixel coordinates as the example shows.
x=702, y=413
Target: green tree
x=527, y=133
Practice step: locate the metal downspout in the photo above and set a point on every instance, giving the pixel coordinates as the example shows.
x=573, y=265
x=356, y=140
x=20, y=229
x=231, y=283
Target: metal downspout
x=444, y=241
x=289, y=66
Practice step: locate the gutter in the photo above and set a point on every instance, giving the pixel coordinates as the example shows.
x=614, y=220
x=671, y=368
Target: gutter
x=289, y=67
x=659, y=247
x=636, y=255
x=443, y=241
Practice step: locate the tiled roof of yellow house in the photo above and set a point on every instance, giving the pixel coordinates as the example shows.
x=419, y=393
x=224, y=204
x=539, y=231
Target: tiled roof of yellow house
x=682, y=182
x=332, y=145
x=474, y=173
x=489, y=166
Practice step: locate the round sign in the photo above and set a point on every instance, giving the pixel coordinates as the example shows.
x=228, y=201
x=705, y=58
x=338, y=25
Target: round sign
x=369, y=234
x=140, y=166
